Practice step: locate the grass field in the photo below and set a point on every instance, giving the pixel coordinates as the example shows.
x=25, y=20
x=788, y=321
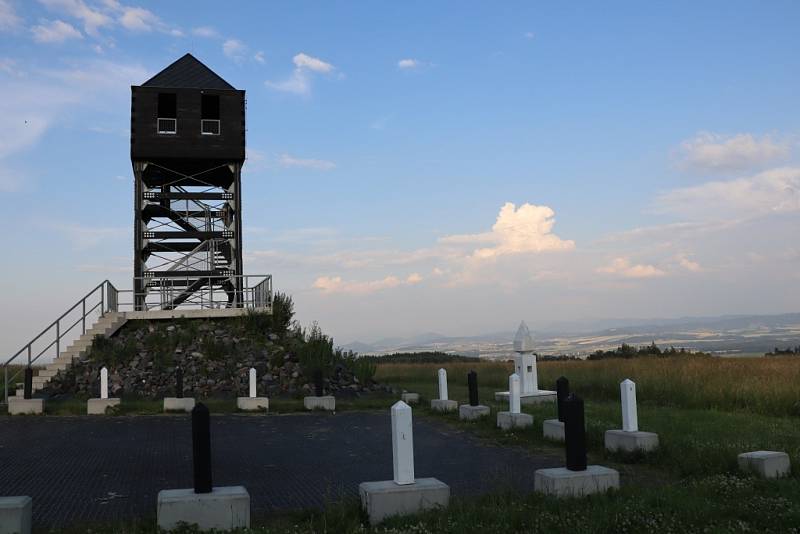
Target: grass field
x=706, y=411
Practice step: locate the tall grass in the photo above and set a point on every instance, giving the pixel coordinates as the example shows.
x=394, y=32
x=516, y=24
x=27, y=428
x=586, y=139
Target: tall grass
x=769, y=386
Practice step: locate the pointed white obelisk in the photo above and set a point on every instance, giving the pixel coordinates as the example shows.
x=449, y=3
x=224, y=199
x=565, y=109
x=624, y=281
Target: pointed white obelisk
x=442, y=384
x=513, y=394
x=525, y=361
x=402, y=444
x=630, y=419
x=252, y=383
x=103, y=383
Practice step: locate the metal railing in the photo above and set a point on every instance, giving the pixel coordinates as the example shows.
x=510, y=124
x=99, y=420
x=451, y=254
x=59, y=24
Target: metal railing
x=102, y=299
x=210, y=292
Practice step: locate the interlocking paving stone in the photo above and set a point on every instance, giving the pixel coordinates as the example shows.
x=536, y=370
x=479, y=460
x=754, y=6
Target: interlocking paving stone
x=81, y=469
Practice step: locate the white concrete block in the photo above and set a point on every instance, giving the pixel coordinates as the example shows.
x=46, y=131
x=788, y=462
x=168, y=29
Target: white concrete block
x=442, y=384
x=553, y=429
x=20, y=406
x=175, y=404
x=630, y=417
x=514, y=405
x=253, y=384
x=252, y=404
x=402, y=444
x=620, y=440
x=509, y=421
x=440, y=405
x=410, y=398
x=386, y=499
x=327, y=403
x=15, y=515
x=103, y=383
x=467, y=412
x=225, y=508
x=766, y=464
x=98, y=406
x=561, y=482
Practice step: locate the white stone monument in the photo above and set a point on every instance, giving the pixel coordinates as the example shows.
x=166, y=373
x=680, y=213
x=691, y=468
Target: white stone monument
x=443, y=404
x=15, y=515
x=514, y=418
x=252, y=403
x=99, y=406
x=525, y=368
x=630, y=439
x=405, y=494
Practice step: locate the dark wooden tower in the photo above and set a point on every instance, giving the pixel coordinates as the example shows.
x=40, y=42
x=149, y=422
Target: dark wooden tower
x=187, y=150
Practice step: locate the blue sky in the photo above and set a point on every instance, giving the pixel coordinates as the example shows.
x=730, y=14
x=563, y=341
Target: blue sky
x=418, y=166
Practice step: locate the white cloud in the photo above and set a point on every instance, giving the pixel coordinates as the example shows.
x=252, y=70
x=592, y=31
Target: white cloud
x=206, y=31
x=688, y=264
x=529, y=35
x=138, y=19
x=772, y=191
x=303, y=61
x=524, y=230
x=408, y=64
x=93, y=19
x=336, y=284
x=56, y=31
x=285, y=160
x=234, y=49
x=716, y=152
x=623, y=267
x=9, y=20
x=259, y=56
x=300, y=80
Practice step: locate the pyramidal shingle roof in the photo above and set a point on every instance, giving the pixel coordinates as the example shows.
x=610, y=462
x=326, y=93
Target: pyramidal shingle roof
x=188, y=73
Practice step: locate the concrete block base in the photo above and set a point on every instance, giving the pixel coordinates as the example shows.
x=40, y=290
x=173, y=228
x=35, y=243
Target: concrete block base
x=410, y=398
x=174, y=404
x=471, y=413
x=619, y=440
x=15, y=514
x=98, y=406
x=766, y=464
x=509, y=421
x=444, y=405
x=252, y=404
x=225, y=508
x=553, y=429
x=542, y=396
x=561, y=482
x=327, y=403
x=385, y=499
x=25, y=406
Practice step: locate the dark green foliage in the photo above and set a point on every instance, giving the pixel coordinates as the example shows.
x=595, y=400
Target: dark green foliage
x=788, y=351
x=364, y=370
x=282, y=313
x=316, y=353
x=419, y=357
x=652, y=350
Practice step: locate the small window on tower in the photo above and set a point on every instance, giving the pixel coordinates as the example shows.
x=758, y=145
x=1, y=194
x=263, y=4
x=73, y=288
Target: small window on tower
x=209, y=115
x=530, y=368
x=167, y=113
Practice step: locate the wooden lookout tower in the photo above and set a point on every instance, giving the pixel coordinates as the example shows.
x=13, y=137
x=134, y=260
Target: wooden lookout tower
x=187, y=151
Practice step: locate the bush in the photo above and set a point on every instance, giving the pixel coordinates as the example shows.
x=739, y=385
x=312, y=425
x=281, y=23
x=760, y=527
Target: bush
x=317, y=353
x=364, y=370
x=282, y=313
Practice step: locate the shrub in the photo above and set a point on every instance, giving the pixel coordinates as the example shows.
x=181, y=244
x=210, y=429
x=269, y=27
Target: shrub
x=316, y=354
x=282, y=313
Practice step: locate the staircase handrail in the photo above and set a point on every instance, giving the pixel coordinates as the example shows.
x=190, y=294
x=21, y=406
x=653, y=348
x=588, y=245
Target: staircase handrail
x=108, y=303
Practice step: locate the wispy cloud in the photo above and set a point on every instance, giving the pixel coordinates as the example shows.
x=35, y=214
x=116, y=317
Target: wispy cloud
x=300, y=80
x=286, y=160
x=55, y=31
x=92, y=19
x=9, y=20
x=234, y=49
x=109, y=14
x=408, y=63
x=206, y=32
x=716, y=152
x=336, y=284
x=623, y=267
x=259, y=57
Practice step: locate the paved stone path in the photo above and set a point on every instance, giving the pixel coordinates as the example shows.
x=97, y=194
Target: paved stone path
x=80, y=469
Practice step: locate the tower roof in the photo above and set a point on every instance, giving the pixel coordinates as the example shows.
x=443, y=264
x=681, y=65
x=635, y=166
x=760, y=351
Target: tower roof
x=188, y=73
x=523, y=341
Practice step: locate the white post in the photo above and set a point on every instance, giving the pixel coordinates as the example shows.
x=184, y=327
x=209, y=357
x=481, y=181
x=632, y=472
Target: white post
x=513, y=393
x=442, y=384
x=103, y=383
x=630, y=419
x=252, y=383
x=534, y=376
x=402, y=444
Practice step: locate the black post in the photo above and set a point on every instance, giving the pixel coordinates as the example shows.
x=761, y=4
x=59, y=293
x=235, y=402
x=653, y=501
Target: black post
x=318, y=383
x=28, y=382
x=574, y=433
x=179, y=383
x=472, y=384
x=562, y=391
x=201, y=448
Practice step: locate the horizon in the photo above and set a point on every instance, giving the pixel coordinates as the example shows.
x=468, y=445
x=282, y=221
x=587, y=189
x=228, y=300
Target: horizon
x=420, y=168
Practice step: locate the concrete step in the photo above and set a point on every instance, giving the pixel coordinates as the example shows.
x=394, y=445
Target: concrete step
x=48, y=372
